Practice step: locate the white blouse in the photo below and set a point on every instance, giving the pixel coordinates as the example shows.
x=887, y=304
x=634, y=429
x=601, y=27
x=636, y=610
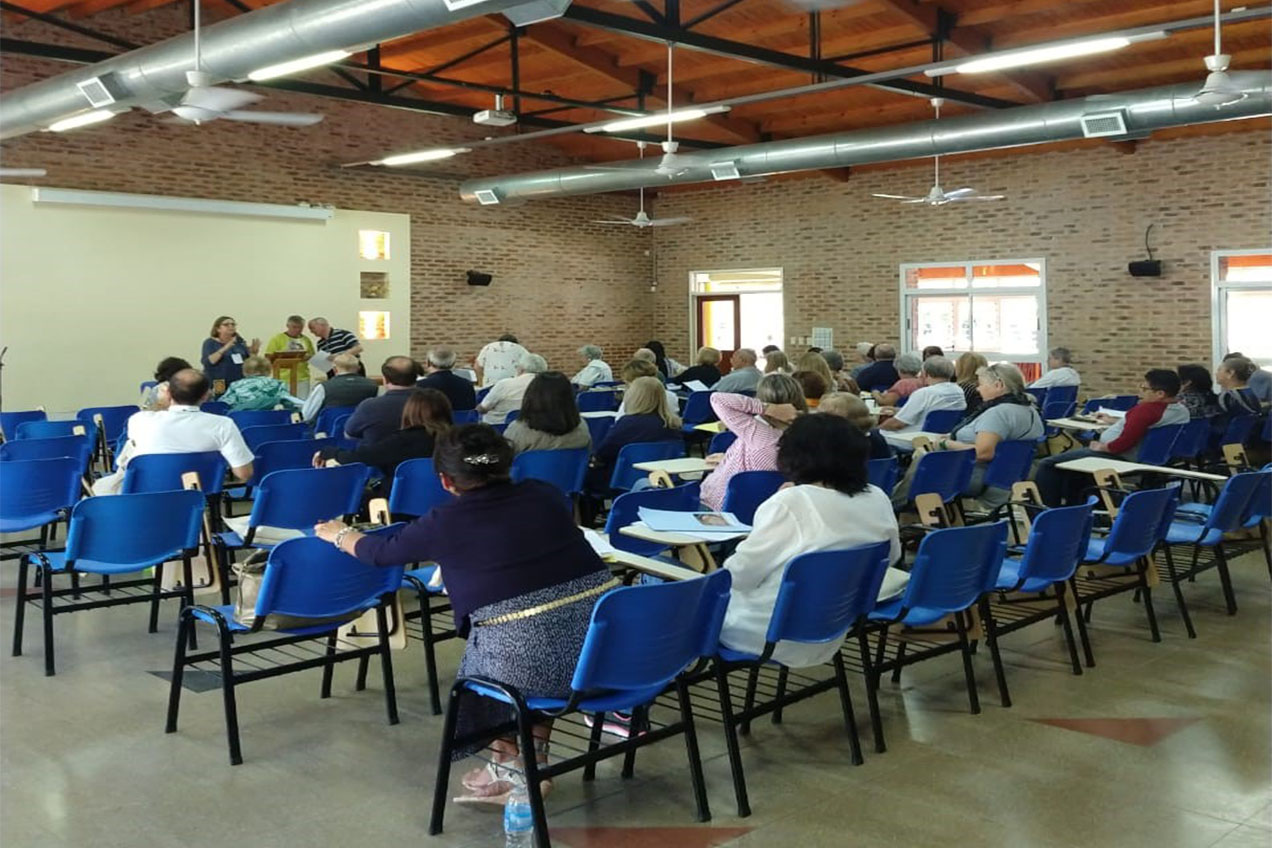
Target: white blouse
x=794, y=521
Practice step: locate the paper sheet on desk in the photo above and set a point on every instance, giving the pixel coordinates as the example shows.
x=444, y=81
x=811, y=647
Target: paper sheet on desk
x=320, y=362
x=1111, y=413
x=599, y=542
x=695, y=386
x=713, y=526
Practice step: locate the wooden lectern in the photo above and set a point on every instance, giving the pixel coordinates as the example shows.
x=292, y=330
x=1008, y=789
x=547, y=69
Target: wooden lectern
x=292, y=360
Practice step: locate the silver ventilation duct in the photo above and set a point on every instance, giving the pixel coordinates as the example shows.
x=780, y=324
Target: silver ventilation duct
x=1142, y=111
x=234, y=48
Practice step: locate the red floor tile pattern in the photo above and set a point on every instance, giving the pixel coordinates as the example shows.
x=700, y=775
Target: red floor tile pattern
x=1145, y=732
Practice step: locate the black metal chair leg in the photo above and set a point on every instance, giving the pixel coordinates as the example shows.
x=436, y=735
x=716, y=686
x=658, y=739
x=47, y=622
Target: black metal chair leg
x=430, y=653
x=782, y=674
x=753, y=679
x=386, y=662
x=441, y=783
x=1225, y=579
x=1267, y=544
x=328, y=667
x=1081, y=621
x=530, y=770
x=46, y=591
x=991, y=636
x=19, y=613
x=593, y=743
x=156, y=586
x=872, y=692
x=1147, y=594
x=361, y=683
x=845, y=703
x=1179, y=594
x=691, y=748
x=227, y=695
x=187, y=599
x=640, y=719
x=185, y=622
x=731, y=742
x=896, y=669
x=968, y=672
x=1062, y=612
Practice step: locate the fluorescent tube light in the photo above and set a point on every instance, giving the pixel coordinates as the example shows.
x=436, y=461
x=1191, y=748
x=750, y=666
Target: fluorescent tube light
x=658, y=119
x=304, y=63
x=155, y=202
x=1042, y=53
x=84, y=120
x=420, y=156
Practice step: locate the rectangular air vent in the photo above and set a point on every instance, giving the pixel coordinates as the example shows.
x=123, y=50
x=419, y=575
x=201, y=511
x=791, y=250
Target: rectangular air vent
x=1104, y=123
x=725, y=171
x=102, y=91
x=486, y=197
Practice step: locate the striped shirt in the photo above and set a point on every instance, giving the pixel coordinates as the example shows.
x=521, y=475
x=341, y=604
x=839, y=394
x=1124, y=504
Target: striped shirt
x=754, y=450
x=338, y=341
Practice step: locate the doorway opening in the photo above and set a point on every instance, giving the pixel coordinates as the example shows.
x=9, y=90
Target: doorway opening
x=737, y=308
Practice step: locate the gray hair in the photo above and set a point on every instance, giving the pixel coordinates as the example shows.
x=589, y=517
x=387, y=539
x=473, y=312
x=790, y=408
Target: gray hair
x=1003, y=372
x=1063, y=354
x=344, y=363
x=885, y=351
x=442, y=357
x=939, y=367
x=590, y=352
x=781, y=388
x=645, y=354
x=743, y=357
x=907, y=363
x=864, y=348
x=532, y=363
x=834, y=359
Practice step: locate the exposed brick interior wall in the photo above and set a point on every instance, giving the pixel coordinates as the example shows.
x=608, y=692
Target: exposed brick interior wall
x=559, y=280
x=1084, y=211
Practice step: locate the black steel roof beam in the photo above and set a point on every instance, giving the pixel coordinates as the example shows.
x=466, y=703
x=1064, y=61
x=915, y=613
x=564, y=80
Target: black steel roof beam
x=54, y=20
x=649, y=10
x=710, y=13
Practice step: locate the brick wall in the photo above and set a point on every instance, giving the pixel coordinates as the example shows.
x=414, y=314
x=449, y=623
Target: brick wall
x=1084, y=211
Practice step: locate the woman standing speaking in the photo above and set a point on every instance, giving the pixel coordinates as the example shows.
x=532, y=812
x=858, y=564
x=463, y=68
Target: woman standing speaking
x=224, y=353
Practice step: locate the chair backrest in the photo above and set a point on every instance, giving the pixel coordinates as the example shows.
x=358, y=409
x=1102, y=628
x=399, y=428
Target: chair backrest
x=1117, y=402
x=1156, y=446
x=626, y=510
x=1233, y=506
x=884, y=473
x=290, y=453
x=9, y=421
x=1192, y=439
x=955, y=566
x=338, y=422
x=513, y=415
x=416, y=489
x=598, y=427
x=161, y=472
x=642, y=637
x=257, y=435
x=597, y=401
x=625, y=476
x=562, y=468
x=259, y=417
x=1039, y=395
x=1053, y=409
x=465, y=416
x=55, y=429
x=824, y=593
x=299, y=498
x=1239, y=429
x=1057, y=542
x=943, y=473
x=130, y=532
x=1139, y=523
x=327, y=418
x=146, y=384
x=698, y=409
x=215, y=407
x=746, y=490
x=942, y=420
x=114, y=418
x=1260, y=505
x=310, y=578
x=1065, y=394
x=33, y=490
x=720, y=441
x=78, y=447
x=1011, y=463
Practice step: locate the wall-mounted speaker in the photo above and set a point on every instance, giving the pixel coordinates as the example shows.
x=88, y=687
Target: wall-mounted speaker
x=1146, y=268
x=477, y=278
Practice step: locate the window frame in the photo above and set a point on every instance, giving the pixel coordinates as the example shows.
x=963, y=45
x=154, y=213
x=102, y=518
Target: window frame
x=1218, y=293
x=776, y=270
x=1039, y=292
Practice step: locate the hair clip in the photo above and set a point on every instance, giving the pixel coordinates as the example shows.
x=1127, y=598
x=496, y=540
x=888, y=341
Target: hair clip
x=482, y=459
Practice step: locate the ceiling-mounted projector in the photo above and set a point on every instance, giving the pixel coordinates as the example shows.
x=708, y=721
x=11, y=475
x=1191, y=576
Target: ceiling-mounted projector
x=496, y=117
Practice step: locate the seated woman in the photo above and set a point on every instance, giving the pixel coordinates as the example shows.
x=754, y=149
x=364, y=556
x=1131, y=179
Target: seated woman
x=812, y=384
x=853, y=408
x=1197, y=391
x=758, y=423
x=841, y=379
x=1006, y=413
x=595, y=370
x=633, y=371
x=706, y=371
x=816, y=362
x=521, y=577
x=549, y=417
x=776, y=362
x=258, y=390
x=1237, y=398
x=156, y=397
x=648, y=418
x=908, y=366
x=827, y=505
x=667, y=367
x=965, y=370
x=426, y=416
x=646, y=355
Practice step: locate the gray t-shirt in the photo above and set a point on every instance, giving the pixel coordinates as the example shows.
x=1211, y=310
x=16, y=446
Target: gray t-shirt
x=739, y=380
x=525, y=439
x=1011, y=421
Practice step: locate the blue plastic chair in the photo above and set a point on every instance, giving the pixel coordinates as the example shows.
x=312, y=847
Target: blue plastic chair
x=598, y=427
x=746, y=490
x=146, y=385
x=161, y=472
x=942, y=420
x=884, y=473
x=1058, y=540
x=697, y=411
x=625, y=476
x=215, y=407
x=337, y=431
x=260, y=418
x=1011, y=463
x=1063, y=394
x=952, y=571
x=512, y=416
x=597, y=401
x=720, y=441
x=114, y=419
x=465, y=416
x=1258, y=512
x=1054, y=409
x=822, y=598
x=279, y=456
x=257, y=435
x=623, y=666
x=113, y=535
x=306, y=578
x=1121, y=403
x=1237, y=431
x=626, y=510
x=1157, y=446
x=562, y=468
x=943, y=473
x=299, y=498
x=326, y=419
x=1192, y=441
x=1039, y=396
x=1142, y=521
x=78, y=447
x=416, y=490
x=9, y=421
x=56, y=430
x=37, y=492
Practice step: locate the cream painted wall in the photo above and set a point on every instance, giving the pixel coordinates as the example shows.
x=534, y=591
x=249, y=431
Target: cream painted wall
x=92, y=298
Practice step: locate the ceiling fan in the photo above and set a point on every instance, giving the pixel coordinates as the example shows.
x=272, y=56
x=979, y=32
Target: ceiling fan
x=205, y=102
x=1218, y=90
x=671, y=164
x=938, y=196
x=642, y=218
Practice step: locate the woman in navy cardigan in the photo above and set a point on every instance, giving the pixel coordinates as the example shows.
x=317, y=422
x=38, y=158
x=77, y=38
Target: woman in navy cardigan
x=504, y=549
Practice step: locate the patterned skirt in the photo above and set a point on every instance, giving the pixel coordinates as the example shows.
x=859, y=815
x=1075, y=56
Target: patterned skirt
x=537, y=655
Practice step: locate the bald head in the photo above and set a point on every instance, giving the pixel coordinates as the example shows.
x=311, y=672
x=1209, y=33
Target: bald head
x=744, y=357
x=188, y=387
x=399, y=371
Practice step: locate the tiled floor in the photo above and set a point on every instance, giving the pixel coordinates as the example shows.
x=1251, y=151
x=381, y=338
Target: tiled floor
x=1160, y=746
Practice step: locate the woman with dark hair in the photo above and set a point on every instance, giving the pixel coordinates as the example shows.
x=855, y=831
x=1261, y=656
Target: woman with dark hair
x=813, y=385
x=549, y=417
x=828, y=504
x=932, y=350
x=426, y=416
x=1197, y=391
x=521, y=578
x=156, y=397
x=224, y=352
x=667, y=366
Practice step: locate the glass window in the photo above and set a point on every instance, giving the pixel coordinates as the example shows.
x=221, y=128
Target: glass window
x=373, y=244
x=373, y=325
x=1242, y=301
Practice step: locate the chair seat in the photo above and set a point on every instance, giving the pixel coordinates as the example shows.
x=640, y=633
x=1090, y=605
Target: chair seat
x=1095, y=552
x=624, y=701
x=914, y=617
x=57, y=562
x=730, y=655
x=1188, y=533
x=1009, y=576
x=28, y=522
x=227, y=610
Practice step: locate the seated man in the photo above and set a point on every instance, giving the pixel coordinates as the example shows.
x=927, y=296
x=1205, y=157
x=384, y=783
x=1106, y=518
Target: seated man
x=1059, y=371
x=181, y=428
x=597, y=370
x=744, y=377
x=460, y=392
x=881, y=374
x=505, y=396
x=937, y=391
x=1157, y=408
x=347, y=389
x=377, y=417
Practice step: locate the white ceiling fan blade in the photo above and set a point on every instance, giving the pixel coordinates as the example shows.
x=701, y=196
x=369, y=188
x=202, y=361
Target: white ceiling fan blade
x=614, y=221
x=668, y=222
x=960, y=192
x=216, y=99
x=917, y=200
x=896, y=196
x=980, y=197
x=282, y=119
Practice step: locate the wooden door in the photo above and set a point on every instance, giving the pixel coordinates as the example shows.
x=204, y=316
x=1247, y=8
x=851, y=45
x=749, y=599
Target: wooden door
x=720, y=325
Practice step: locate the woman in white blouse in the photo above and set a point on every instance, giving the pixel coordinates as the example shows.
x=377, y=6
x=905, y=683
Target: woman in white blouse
x=828, y=504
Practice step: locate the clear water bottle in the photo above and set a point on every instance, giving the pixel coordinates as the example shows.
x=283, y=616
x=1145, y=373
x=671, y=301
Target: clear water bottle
x=518, y=820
